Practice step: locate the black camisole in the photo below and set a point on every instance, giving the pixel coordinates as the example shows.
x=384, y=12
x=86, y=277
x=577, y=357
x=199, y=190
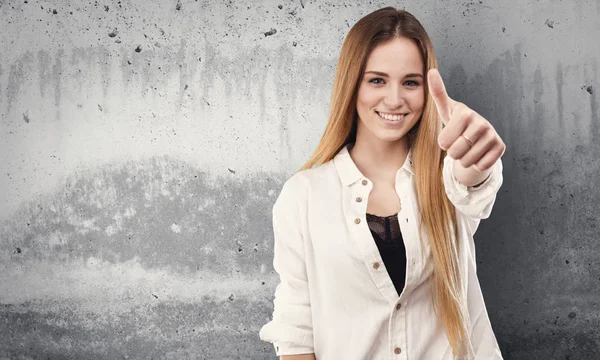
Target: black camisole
x=389, y=241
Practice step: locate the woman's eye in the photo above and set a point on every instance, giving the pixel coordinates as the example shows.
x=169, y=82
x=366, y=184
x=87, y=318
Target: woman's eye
x=379, y=81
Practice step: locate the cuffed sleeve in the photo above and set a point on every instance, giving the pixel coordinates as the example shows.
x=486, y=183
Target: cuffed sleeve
x=474, y=202
x=290, y=330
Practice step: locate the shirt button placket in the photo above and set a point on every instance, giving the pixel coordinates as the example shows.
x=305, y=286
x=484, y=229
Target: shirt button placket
x=397, y=349
x=359, y=199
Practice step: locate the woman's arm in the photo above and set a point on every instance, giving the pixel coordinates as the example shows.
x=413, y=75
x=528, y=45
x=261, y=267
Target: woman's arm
x=298, y=357
x=291, y=329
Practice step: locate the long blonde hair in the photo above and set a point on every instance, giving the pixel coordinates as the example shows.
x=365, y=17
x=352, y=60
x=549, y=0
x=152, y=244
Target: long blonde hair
x=437, y=212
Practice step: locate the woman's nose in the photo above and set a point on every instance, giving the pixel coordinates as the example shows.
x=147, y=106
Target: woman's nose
x=394, y=98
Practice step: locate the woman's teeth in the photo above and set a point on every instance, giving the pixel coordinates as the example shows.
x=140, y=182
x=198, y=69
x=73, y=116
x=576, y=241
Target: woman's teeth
x=390, y=117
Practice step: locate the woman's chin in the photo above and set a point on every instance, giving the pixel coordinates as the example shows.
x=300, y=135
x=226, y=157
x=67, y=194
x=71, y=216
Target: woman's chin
x=390, y=136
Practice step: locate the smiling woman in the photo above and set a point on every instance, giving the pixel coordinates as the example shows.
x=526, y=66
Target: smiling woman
x=374, y=234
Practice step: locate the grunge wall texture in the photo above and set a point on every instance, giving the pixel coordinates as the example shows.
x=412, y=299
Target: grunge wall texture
x=143, y=144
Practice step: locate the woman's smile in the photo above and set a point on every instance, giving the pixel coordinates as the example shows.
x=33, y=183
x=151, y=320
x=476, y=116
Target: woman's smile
x=393, y=120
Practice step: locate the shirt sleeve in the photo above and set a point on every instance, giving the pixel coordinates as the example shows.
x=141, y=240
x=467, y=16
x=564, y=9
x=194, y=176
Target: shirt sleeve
x=474, y=202
x=290, y=330
x=483, y=339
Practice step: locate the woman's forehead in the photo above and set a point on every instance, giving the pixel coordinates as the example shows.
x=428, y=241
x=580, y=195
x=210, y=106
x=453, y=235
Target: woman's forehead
x=395, y=57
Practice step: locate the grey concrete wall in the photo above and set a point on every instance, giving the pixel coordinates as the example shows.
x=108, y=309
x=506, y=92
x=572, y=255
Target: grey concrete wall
x=143, y=144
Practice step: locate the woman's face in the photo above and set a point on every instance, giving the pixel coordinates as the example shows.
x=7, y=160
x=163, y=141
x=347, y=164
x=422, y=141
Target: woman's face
x=392, y=86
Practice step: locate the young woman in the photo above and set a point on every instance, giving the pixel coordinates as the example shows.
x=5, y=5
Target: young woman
x=374, y=235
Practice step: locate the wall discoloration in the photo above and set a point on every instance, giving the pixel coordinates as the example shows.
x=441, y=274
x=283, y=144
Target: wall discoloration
x=164, y=330
x=135, y=216
x=160, y=210
x=143, y=258
x=15, y=78
x=211, y=87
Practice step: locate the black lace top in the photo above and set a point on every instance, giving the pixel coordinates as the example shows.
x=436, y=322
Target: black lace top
x=387, y=236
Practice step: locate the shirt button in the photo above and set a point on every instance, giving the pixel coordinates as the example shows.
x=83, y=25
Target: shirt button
x=358, y=199
x=357, y=221
x=398, y=306
x=375, y=265
x=397, y=350
x=365, y=182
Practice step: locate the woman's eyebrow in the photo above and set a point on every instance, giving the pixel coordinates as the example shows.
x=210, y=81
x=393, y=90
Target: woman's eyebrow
x=411, y=75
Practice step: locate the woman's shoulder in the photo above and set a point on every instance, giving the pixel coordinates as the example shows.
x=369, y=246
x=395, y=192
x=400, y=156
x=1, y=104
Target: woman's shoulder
x=311, y=178
x=315, y=175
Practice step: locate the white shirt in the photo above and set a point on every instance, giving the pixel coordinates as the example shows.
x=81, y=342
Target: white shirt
x=335, y=298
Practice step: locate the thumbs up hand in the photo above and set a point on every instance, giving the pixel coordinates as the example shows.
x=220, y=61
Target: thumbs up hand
x=467, y=136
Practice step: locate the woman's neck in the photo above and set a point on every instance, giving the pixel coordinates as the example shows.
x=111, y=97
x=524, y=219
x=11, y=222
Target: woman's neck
x=380, y=160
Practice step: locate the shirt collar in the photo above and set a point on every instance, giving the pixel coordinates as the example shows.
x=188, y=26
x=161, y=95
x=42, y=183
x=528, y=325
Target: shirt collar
x=348, y=171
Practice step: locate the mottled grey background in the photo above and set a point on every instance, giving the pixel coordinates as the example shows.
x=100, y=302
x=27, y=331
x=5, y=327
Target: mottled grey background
x=144, y=143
